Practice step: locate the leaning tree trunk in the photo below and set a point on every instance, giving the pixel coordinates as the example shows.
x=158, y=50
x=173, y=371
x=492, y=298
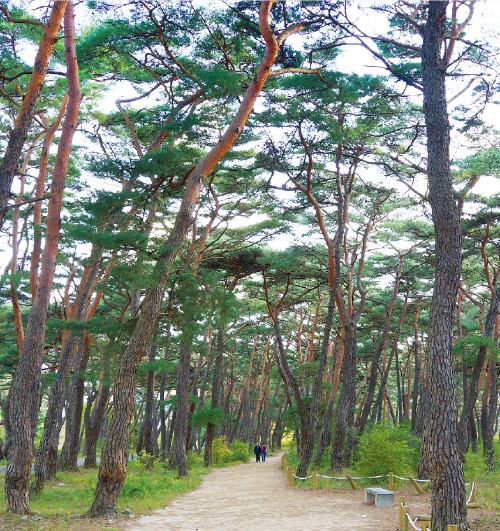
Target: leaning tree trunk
x=19, y=132
x=26, y=380
x=372, y=381
x=440, y=454
x=46, y=458
x=114, y=453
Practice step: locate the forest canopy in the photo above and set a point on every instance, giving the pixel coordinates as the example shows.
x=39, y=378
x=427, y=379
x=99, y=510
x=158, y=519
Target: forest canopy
x=246, y=219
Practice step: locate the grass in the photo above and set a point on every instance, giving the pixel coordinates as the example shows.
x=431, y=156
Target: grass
x=475, y=469
x=63, y=502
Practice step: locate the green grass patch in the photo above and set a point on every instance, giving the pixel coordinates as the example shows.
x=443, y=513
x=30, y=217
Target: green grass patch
x=63, y=501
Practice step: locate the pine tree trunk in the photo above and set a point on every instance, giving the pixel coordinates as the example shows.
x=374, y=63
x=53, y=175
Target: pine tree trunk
x=26, y=380
x=114, y=455
x=439, y=443
x=472, y=391
x=417, y=380
x=372, y=381
x=19, y=132
x=46, y=459
x=178, y=454
x=489, y=414
x=344, y=421
x=74, y=409
x=216, y=395
x=96, y=419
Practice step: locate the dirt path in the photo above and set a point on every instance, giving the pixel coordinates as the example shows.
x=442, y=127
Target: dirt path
x=257, y=496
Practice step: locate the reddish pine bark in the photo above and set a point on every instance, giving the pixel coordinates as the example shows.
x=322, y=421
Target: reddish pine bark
x=114, y=455
x=17, y=137
x=26, y=381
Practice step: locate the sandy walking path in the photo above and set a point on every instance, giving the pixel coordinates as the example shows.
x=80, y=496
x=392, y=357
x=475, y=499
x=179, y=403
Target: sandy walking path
x=257, y=496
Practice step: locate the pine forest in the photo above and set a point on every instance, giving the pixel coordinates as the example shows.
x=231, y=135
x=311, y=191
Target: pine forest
x=247, y=221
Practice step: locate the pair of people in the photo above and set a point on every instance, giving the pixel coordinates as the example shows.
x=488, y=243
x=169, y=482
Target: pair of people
x=260, y=451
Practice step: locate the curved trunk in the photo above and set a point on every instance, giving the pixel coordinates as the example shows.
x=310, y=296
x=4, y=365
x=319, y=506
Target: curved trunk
x=114, y=454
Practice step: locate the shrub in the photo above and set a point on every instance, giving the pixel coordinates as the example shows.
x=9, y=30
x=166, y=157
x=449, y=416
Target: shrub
x=474, y=465
x=240, y=451
x=385, y=449
x=147, y=460
x=221, y=452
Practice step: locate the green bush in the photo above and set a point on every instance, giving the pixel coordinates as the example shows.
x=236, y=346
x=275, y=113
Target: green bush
x=240, y=451
x=221, y=452
x=194, y=459
x=384, y=449
x=474, y=466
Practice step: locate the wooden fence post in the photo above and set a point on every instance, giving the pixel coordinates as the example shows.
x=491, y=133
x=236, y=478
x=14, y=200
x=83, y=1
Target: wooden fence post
x=353, y=485
x=403, y=517
x=315, y=481
x=391, y=481
x=416, y=485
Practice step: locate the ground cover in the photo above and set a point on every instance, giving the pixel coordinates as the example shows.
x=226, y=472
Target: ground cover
x=487, y=481
x=63, y=502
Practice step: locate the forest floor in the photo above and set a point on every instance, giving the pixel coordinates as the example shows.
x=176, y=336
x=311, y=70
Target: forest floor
x=258, y=496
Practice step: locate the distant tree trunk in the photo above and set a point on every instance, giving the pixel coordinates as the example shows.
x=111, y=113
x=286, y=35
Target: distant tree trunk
x=440, y=454
x=178, y=454
x=25, y=382
x=489, y=413
x=344, y=421
x=163, y=411
x=191, y=434
x=148, y=436
x=473, y=387
x=372, y=381
x=94, y=423
x=216, y=394
x=46, y=459
x=19, y=132
x=417, y=380
x=74, y=409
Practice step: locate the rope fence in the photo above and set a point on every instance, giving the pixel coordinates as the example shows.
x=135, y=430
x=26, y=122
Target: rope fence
x=406, y=523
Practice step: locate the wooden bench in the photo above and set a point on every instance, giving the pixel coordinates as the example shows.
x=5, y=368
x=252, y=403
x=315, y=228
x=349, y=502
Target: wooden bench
x=380, y=497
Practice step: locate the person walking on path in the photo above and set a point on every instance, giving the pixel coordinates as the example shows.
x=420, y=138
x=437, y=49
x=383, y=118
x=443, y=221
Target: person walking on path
x=257, y=451
x=264, y=452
